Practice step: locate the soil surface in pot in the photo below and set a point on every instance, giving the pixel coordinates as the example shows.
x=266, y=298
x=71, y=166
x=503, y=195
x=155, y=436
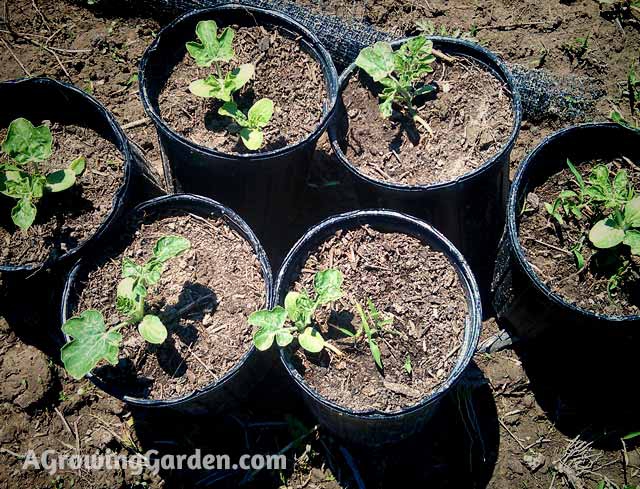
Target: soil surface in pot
x=204, y=298
x=407, y=281
x=284, y=72
x=547, y=246
x=470, y=116
x=65, y=219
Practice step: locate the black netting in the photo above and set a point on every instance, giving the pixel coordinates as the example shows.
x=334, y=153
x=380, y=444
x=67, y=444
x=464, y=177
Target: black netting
x=544, y=95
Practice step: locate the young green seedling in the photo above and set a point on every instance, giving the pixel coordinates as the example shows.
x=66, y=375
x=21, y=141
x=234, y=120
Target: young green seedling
x=400, y=73
x=91, y=342
x=214, y=49
x=373, y=325
x=252, y=123
x=21, y=178
x=299, y=310
x=614, y=207
x=633, y=89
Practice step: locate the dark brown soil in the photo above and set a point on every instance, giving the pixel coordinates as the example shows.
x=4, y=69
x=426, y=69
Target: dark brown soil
x=285, y=73
x=471, y=119
x=548, y=246
x=204, y=298
x=407, y=281
x=68, y=218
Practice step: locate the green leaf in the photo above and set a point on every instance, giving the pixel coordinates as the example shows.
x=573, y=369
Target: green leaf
x=300, y=308
x=631, y=436
x=152, y=272
x=90, y=344
x=407, y=365
x=238, y=77
x=16, y=184
x=37, y=186
x=283, y=337
x=130, y=269
x=605, y=234
x=621, y=185
x=252, y=138
x=152, y=329
x=600, y=178
x=25, y=143
x=78, y=165
x=268, y=322
x=377, y=60
x=311, y=340
x=169, y=247
x=579, y=258
x=327, y=284
x=24, y=214
x=553, y=210
x=576, y=174
x=632, y=213
x=375, y=353
x=386, y=107
x=209, y=87
x=60, y=180
x=632, y=239
x=230, y=109
x=260, y=113
x=211, y=47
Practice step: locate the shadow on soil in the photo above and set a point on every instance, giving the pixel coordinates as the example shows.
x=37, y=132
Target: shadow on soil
x=583, y=380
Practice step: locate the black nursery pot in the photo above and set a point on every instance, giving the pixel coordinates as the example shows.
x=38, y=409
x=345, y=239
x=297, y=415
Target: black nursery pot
x=262, y=186
x=376, y=428
x=520, y=297
x=39, y=99
x=235, y=385
x=470, y=210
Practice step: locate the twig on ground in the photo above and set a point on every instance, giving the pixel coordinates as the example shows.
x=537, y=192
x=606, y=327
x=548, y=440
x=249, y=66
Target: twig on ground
x=6, y=44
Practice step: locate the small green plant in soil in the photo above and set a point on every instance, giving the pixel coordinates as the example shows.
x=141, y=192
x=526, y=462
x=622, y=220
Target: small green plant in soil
x=25, y=150
x=633, y=92
x=299, y=309
x=400, y=73
x=214, y=49
x=91, y=342
x=428, y=28
x=373, y=326
x=612, y=210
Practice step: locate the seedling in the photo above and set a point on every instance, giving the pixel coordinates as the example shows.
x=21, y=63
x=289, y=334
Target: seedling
x=633, y=91
x=21, y=177
x=400, y=73
x=428, y=28
x=407, y=365
x=214, y=49
x=577, y=48
x=92, y=342
x=613, y=212
x=374, y=325
x=299, y=310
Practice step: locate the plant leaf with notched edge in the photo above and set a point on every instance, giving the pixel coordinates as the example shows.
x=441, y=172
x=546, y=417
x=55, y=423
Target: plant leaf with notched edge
x=260, y=113
x=311, y=340
x=268, y=322
x=377, y=60
x=327, y=284
x=60, y=180
x=211, y=46
x=90, y=344
x=169, y=247
x=152, y=329
x=632, y=213
x=24, y=214
x=25, y=143
x=252, y=138
x=605, y=234
x=632, y=239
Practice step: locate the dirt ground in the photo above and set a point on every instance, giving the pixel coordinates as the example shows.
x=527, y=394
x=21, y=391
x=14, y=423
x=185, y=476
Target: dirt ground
x=542, y=415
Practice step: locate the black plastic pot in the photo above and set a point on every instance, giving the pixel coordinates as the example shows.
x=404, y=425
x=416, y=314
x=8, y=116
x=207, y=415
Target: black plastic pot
x=469, y=210
x=234, y=386
x=261, y=187
x=520, y=297
x=40, y=99
x=375, y=428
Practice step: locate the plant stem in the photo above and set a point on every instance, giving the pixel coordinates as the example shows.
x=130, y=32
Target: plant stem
x=334, y=349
